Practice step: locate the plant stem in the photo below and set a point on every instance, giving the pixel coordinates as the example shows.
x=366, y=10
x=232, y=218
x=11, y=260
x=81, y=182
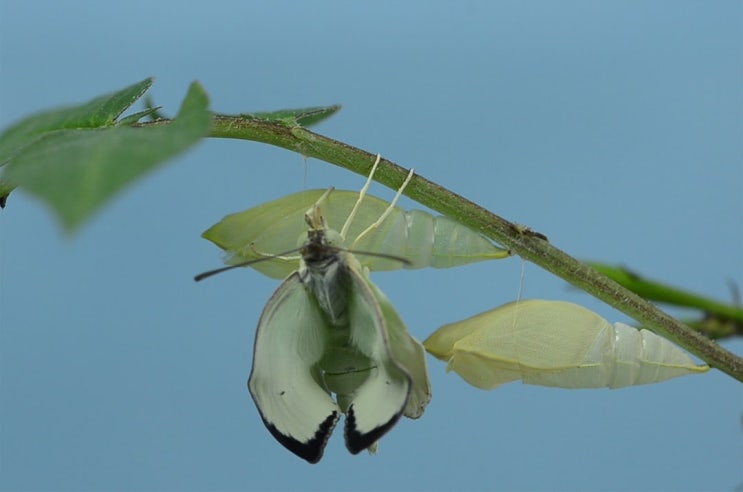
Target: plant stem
x=529, y=245
x=652, y=290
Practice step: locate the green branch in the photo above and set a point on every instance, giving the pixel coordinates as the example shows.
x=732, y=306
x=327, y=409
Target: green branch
x=77, y=158
x=529, y=245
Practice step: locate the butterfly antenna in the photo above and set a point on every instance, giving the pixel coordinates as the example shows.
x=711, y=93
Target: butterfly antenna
x=211, y=273
x=362, y=194
x=402, y=260
x=389, y=209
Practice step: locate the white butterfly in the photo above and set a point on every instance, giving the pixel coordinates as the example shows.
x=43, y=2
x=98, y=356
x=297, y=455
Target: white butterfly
x=329, y=329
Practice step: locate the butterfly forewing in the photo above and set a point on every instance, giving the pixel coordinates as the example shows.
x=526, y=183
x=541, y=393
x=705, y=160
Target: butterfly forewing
x=285, y=381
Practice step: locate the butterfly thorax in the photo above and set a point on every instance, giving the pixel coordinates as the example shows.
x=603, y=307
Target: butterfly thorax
x=325, y=273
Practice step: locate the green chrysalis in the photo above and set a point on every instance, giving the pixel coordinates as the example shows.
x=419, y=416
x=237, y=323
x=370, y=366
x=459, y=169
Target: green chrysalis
x=418, y=237
x=554, y=343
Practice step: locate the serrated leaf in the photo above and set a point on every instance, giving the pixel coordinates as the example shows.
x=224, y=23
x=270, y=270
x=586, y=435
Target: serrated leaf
x=99, y=112
x=77, y=171
x=296, y=117
x=134, y=118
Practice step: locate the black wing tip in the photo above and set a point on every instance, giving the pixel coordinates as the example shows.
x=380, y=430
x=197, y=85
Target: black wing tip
x=356, y=441
x=312, y=450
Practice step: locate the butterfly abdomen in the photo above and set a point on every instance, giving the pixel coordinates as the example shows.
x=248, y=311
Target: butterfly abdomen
x=327, y=277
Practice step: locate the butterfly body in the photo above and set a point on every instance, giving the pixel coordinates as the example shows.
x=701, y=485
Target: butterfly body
x=327, y=326
x=324, y=271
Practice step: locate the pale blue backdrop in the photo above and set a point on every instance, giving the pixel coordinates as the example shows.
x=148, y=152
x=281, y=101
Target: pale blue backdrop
x=613, y=127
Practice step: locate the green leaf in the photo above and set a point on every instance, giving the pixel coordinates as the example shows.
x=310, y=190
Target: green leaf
x=656, y=291
x=134, y=118
x=77, y=171
x=99, y=112
x=296, y=117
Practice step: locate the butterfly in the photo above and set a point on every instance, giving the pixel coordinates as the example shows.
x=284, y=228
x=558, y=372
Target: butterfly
x=328, y=330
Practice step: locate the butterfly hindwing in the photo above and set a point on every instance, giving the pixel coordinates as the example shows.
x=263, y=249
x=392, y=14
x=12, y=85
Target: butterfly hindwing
x=409, y=353
x=285, y=381
x=378, y=403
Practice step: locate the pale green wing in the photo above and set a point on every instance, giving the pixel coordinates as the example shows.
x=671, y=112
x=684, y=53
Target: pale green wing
x=377, y=391
x=279, y=226
x=552, y=343
x=408, y=352
x=285, y=381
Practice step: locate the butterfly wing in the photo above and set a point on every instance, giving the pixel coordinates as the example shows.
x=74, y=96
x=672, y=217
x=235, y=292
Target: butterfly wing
x=377, y=404
x=409, y=353
x=285, y=381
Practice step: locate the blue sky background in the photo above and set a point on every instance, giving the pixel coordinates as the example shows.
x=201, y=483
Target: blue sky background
x=613, y=127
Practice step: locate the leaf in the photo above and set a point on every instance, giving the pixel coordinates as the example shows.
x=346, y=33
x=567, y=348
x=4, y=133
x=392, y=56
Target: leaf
x=134, y=118
x=659, y=292
x=99, y=112
x=78, y=170
x=296, y=117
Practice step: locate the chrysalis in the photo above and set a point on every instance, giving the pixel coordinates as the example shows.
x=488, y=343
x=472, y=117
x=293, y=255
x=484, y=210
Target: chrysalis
x=554, y=343
x=417, y=236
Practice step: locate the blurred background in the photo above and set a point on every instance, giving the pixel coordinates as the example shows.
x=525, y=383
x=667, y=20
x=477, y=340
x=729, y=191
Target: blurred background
x=612, y=127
